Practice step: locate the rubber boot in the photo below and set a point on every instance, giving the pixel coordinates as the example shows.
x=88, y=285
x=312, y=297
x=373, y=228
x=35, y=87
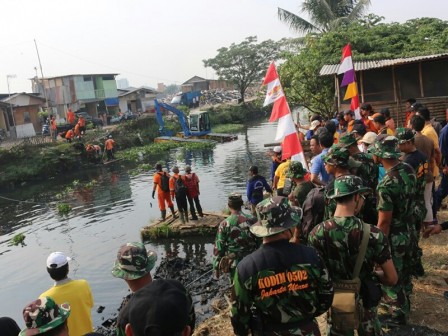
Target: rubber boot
x=193, y=215
x=173, y=212
x=185, y=212
x=181, y=216
x=163, y=213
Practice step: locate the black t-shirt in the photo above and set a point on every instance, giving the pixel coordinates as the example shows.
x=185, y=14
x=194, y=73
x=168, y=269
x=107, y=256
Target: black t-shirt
x=418, y=161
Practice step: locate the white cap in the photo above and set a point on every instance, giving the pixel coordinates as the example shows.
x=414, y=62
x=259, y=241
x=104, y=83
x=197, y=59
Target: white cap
x=278, y=149
x=369, y=138
x=57, y=258
x=314, y=124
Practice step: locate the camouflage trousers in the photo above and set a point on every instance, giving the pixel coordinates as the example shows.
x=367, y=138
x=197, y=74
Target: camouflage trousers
x=396, y=298
x=369, y=326
x=311, y=329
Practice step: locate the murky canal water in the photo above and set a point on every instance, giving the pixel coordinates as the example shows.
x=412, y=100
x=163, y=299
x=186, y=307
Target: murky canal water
x=108, y=215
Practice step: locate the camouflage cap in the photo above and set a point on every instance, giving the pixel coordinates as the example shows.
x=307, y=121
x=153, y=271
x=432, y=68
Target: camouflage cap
x=43, y=315
x=347, y=140
x=386, y=147
x=340, y=156
x=346, y=185
x=404, y=134
x=275, y=215
x=133, y=261
x=295, y=170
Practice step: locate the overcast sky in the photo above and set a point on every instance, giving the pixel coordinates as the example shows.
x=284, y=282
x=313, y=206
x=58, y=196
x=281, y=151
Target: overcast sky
x=146, y=41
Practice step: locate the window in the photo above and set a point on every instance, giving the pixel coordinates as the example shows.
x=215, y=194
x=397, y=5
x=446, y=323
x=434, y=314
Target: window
x=26, y=117
x=87, y=78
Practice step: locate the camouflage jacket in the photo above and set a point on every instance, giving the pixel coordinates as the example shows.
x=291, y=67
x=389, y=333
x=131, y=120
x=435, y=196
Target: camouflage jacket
x=301, y=191
x=330, y=204
x=396, y=193
x=281, y=284
x=234, y=237
x=368, y=171
x=338, y=241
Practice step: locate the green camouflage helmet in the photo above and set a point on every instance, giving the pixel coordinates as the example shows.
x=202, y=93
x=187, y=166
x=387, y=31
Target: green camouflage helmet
x=295, y=170
x=43, y=315
x=275, y=215
x=340, y=156
x=404, y=134
x=386, y=147
x=347, y=140
x=346, y=185
x=133, y=261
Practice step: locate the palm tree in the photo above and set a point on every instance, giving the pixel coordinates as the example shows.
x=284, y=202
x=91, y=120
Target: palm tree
x=325, y=15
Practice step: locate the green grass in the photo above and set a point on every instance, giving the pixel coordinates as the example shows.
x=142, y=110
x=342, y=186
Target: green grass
x=228, y=128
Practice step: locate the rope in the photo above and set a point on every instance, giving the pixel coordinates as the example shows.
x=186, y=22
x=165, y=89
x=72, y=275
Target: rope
x=209, y=271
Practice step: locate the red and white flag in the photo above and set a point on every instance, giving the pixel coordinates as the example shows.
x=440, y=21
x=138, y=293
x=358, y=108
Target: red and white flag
x=286, y=130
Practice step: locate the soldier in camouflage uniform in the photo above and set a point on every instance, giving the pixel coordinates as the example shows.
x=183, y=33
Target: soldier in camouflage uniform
x=297, y=173
x=337, y=162
x=338, y=241
x=368, y=171
x=281, y=287
x=233, y=239
x=395, y=193
x=43, y=316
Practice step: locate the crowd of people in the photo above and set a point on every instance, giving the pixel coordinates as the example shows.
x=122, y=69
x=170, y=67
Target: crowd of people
x=340, y=240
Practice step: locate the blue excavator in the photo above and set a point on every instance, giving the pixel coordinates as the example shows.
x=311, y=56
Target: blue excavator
x=196, y=127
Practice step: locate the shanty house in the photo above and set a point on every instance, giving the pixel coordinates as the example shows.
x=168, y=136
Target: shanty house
x=197, y=83
x=390, y=82
x=136, y=99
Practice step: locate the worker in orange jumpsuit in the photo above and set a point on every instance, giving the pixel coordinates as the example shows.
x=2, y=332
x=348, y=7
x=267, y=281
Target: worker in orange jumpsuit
x=69, y=135
x=109, y=146
x=54, y=127
x=82, y=124
x=77, y=131
x=161, y=184
x=70, y=117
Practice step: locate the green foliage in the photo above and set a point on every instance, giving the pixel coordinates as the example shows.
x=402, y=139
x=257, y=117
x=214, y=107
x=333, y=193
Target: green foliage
x=172, y=89
x=369, y=40
x=228, y=128
x=325, y=15
x=239, y=114
x=244, y=63
x=64, y=209
x=18, y=239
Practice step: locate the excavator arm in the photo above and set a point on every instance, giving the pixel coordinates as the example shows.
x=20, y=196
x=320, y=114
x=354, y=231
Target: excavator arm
x=180, y=115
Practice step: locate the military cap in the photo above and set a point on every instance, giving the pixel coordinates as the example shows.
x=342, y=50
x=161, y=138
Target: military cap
x=275, y=215
x=347, y=185
x=43, y=315
x=340, y=156
x=347, y=140
x=385, y=146
x=295, y=170
x=133, y=261
x=404, y=134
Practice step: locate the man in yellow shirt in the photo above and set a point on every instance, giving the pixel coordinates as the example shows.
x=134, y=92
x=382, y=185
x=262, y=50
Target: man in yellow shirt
x=76, y=292
x=280, y=176
x=431, y=133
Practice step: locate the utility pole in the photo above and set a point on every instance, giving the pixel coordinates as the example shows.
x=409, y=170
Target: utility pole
x=8, y=77
x=42, y=74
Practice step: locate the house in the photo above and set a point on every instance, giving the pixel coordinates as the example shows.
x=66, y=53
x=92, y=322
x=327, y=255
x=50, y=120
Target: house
x=21, y=109
x=197, y=83
x=91, y=93
x=136, y=99
x=390, y=82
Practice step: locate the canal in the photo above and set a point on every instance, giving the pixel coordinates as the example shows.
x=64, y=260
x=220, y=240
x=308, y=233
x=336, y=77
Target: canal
x=108, y=215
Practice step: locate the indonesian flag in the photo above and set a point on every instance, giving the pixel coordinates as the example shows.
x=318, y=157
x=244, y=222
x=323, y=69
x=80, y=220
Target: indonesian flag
x=286, y=130
x=349, y=80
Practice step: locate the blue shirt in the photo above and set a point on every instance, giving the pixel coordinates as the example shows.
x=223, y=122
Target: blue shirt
x=318, y=167
x=254, y=190
x=443, y=142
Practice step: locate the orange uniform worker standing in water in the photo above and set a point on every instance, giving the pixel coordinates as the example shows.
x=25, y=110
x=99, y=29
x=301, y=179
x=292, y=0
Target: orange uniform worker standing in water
x=109, y=146
x=162, y=184
x=70, y=116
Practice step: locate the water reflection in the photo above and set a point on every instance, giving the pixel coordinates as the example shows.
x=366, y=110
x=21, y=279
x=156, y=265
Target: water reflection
x=108, y=215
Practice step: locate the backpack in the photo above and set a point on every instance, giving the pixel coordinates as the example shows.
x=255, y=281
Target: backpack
x=180, y=189
x=288, y=186
x=191, y=185
x=313, y=212
x=165, y=182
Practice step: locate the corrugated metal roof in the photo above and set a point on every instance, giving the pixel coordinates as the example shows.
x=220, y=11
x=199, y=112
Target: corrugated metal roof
x=331, y=69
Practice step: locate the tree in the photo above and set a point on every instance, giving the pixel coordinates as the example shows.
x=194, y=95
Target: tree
x=244, y=63
x=325, y=15
x=370, y=40
x=172, y=89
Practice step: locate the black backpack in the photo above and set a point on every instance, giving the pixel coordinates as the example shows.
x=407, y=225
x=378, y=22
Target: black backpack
x=165, y=182
x=180, y=189
x=313, y=212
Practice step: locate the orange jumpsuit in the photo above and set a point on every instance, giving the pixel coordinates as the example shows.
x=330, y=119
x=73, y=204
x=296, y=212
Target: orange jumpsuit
x=70, y=117
x=162, y=196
